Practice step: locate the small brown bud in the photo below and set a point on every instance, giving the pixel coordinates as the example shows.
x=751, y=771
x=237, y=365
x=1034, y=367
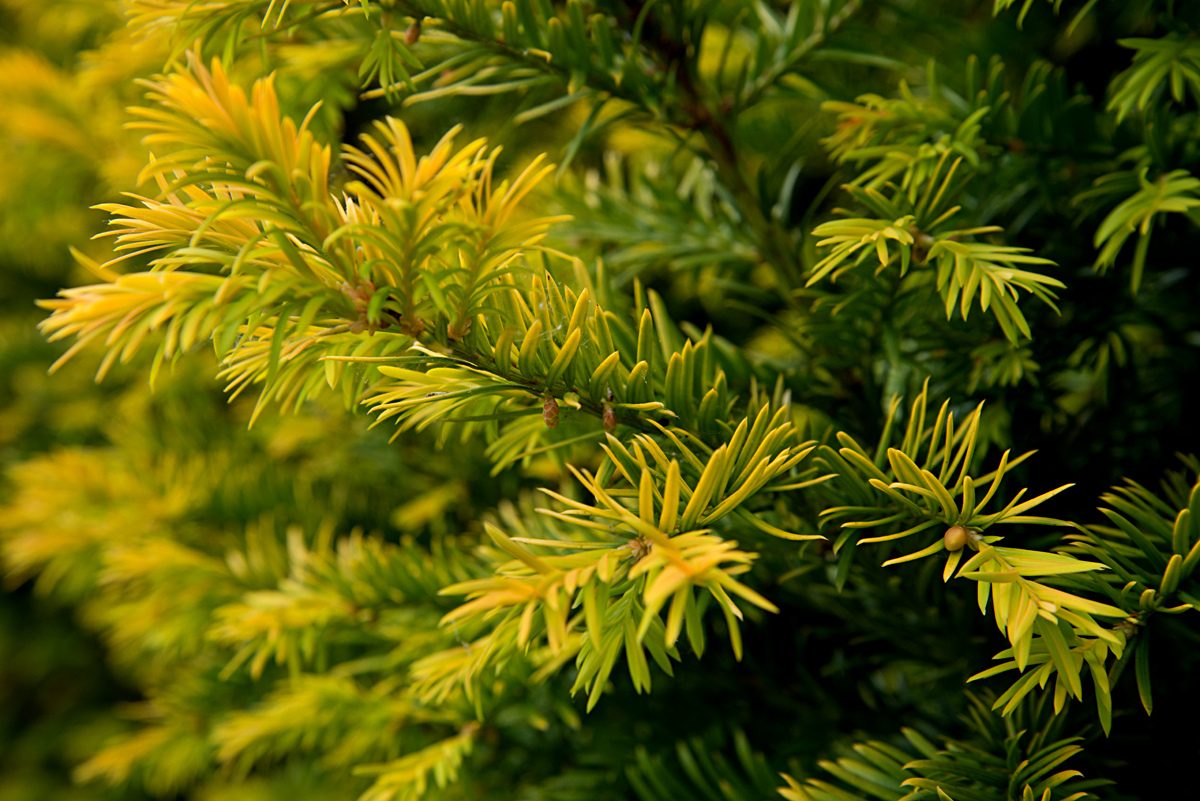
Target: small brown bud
x=638, y=547
x=956, y=537
x=412, y=327
x=610, y=418
x=459, y=330
x=550, y=412
x=412, y=34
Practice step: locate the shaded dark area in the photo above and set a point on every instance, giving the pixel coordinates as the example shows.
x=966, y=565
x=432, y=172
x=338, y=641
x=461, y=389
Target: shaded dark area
x=56, y=697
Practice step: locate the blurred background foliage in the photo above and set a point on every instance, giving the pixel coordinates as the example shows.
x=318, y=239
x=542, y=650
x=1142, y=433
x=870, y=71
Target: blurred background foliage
x=1102, y=392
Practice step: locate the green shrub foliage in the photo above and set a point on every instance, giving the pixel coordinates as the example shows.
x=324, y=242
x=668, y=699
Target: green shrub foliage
x=613, y=399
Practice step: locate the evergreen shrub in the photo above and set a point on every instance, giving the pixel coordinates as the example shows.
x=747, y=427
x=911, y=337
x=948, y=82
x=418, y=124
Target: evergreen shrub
x=594, y=400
